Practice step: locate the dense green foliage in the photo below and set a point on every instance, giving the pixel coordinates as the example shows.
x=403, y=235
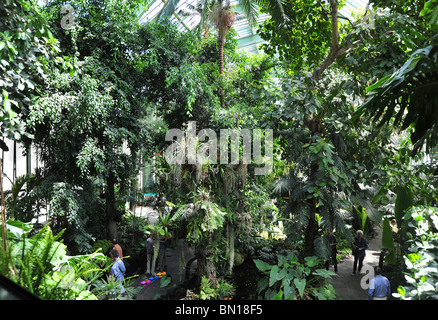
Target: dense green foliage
x=24, y=37
x=289, y=278
x=421, y=253
x=285, y=33
x=40, y=264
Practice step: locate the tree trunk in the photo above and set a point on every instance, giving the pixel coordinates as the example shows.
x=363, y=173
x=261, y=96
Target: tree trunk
x=206, y=266
x=314, y=124
x=133, y=198
x=311, y=229
x=111, y=208
x=230, y=249
x=220, y=42
x=335, y=50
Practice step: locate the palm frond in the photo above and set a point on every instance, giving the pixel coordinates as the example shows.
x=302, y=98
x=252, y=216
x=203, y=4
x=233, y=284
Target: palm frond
x=275, y=8
x=178, y=214
x=322, y=248
x=168, y=9
x=250, y=10
x=284, y=185
x=408, y=97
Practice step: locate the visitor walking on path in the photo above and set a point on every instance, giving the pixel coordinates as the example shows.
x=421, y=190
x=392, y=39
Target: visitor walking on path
x=360, y=245
x=333, y=250
x=150, y=263
x=117, y=247
x=380, y=288
x=353, y=288
x=118, y=269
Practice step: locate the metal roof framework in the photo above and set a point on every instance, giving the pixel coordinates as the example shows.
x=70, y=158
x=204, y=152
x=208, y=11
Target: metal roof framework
x=247, y=37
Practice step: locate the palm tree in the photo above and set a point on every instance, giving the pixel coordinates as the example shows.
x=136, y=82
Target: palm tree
x=224, y=17
x=220, y=13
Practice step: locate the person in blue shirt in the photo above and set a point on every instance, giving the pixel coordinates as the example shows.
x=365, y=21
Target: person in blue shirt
x=380, y=288
x=118, y=269
x=360, y=245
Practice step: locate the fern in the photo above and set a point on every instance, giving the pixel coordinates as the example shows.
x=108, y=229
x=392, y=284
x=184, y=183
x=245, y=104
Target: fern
x=38, y=256
x=178, y=214
x=103, y=244
x=44, y=268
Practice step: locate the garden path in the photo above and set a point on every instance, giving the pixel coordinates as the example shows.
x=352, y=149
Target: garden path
x=173, y=269
x=349, y=287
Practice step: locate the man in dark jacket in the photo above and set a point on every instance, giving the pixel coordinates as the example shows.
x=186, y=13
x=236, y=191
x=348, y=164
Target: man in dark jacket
x=359, y=246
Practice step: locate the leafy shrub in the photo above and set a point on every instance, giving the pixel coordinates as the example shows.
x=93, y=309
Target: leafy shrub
x=40, y=264
x=421, y=263
x=221, y=290
x=104, y=245
x=110, y=289
x=290, y=279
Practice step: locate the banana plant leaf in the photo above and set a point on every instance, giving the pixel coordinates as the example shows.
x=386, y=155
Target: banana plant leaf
x=388, y=242
x=404, y=200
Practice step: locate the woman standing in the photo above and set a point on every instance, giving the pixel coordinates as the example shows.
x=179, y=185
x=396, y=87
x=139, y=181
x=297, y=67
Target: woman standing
x=359, y=246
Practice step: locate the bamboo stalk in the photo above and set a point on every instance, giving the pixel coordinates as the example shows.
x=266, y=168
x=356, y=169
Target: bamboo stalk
x=231, y=243
x=4, y=232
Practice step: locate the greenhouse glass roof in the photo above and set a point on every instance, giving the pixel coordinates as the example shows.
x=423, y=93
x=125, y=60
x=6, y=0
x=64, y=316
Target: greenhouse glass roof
x=248, y=38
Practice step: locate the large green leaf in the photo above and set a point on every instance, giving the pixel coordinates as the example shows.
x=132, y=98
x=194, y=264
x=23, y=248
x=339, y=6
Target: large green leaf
x=300, y=284
x=408, y=97
x=289, y=290
x=404, y=200
x=18, y=229
x=388, y=242
x=273, y=275
x=312, y=261
x=363, y=217
x=279, y=295
x=371, y=212
x=261, y=265
x=327, y=274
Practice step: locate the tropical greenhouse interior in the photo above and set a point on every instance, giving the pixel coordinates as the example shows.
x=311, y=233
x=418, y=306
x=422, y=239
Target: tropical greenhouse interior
x=220, y=150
